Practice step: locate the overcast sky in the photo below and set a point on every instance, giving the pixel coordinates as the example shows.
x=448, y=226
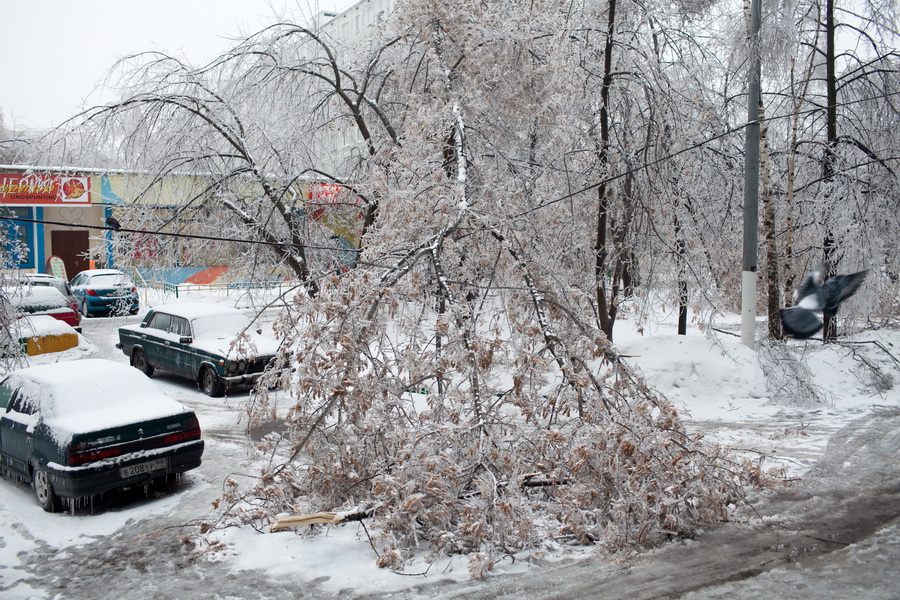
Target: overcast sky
x=55, y=53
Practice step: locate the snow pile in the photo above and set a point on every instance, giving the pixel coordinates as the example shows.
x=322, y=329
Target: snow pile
x=692, y=369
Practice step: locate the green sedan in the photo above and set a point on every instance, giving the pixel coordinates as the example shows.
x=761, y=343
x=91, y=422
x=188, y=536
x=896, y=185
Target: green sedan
x=81, y=428
x=213, y=345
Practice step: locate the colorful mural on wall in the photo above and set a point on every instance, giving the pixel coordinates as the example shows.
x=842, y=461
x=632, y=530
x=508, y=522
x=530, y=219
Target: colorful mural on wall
x=336, y=212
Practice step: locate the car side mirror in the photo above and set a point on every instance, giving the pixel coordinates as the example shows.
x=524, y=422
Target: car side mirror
x=185, y=340
x=143, y=324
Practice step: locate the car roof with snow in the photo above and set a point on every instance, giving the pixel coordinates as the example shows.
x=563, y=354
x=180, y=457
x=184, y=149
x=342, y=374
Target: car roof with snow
x=95, y=272
x=24, y=296
x=192, y=310
x=216, y=327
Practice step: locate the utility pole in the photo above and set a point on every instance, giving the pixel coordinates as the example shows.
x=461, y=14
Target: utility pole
x=751, y=186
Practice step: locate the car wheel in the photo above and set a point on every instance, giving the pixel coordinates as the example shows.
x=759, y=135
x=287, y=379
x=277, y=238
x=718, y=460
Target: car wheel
x=139, y=361
x=210, y=383
x=43, y=490
x=84, y=309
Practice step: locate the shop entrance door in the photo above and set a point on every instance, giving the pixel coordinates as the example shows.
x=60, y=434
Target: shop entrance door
x=72, y=247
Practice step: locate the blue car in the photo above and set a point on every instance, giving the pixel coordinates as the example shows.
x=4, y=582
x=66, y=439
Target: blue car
x=105, y=292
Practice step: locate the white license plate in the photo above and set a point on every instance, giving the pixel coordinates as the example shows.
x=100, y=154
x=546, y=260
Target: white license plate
x=145, y=467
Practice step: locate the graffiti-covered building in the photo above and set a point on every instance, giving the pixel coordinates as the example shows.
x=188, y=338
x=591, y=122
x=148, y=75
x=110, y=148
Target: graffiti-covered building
x=66, y=213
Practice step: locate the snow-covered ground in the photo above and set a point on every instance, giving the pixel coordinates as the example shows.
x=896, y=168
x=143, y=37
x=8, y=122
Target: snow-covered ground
x=830, y=532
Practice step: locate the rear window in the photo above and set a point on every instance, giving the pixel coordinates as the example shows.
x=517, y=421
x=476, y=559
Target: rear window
x=5, y=394
x=61, y=285
x=37, y=299
x=110, y=280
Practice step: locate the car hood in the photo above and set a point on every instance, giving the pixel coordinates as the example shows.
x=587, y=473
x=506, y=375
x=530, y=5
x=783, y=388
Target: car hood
x=248, y=345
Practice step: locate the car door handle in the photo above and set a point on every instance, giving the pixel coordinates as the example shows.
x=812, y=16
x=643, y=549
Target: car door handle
x=168, y=343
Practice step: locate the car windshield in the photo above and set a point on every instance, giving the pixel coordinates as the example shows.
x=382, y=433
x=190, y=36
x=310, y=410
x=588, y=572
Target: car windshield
x=110, y=280
x=219, y=326
x=59, y=284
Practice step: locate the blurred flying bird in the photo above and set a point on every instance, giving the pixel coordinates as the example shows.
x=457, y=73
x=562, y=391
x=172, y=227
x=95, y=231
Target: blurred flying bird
x=113, y=223
x=802, y=321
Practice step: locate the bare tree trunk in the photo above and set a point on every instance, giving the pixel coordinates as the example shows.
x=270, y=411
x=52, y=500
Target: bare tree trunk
x=789, y=272
x=773, y=288
x=681, y=247
x=829, y=332
x=603, y=192
x=600, y=265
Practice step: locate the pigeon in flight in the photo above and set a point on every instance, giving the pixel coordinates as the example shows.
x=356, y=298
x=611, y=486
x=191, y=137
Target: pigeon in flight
x=113, y=223
x=801, y=320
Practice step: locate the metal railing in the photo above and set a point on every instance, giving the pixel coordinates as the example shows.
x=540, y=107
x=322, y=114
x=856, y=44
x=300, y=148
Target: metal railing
x=235, y=286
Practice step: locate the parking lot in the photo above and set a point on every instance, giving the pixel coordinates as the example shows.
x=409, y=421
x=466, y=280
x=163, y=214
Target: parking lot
x=125, y=534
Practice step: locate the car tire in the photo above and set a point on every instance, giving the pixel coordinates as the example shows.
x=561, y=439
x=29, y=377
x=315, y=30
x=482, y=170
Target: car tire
x=210, y=383
x=140, y=362
x=43, y=490
x=84, y=309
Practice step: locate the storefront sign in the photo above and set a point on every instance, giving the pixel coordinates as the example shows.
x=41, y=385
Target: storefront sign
x=56, y=266
x=44, y=190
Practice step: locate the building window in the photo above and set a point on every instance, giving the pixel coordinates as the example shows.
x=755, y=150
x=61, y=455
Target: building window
x=19, y=237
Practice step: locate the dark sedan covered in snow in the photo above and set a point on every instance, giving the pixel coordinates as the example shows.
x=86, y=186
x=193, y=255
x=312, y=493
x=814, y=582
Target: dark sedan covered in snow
x=214, y=345
x=80, y=428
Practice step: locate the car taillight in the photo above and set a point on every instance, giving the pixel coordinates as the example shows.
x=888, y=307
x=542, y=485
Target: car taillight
x=191, y=432
x=182, y=436
x=79, y=453
x=134, y=290
x=91, y=293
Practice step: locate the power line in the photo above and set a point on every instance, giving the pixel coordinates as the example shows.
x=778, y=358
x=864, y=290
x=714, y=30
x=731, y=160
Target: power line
x=178, y=235
x=690, y=148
